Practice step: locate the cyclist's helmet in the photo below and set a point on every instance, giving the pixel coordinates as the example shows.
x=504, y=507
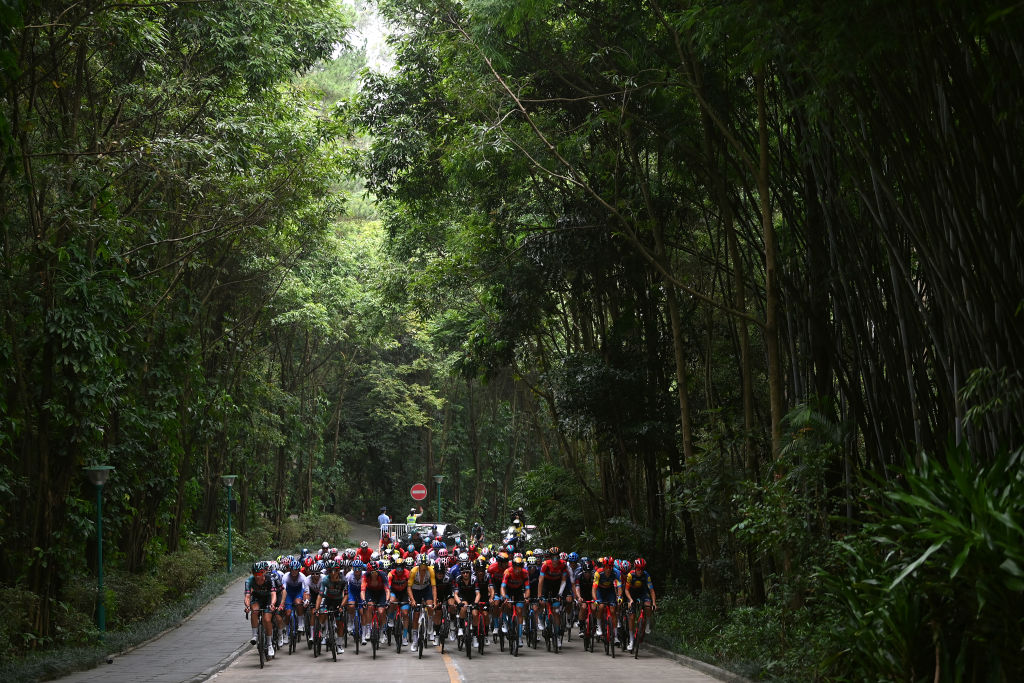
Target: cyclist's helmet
x=517, y=561
x=409, y=562
x=325, y=545
x=258, y=567
x=463, y=557
x=532, y=560
x=626, y=566
x=374, y=555
x=599, y=562
x=363, y=544
x=385, y=564
x=318, y=568
x=422, y=559
x=640, y=564
x=574, y=557
x=480, y=563
x=273, y=565
x=466, y=568
x=443, y=552
x=503, y=556
x=411, y=548
x=563, y=556
x=586, y=564
x=553, y=551
x=358, y=566
x=538, y=551
x=438, y=544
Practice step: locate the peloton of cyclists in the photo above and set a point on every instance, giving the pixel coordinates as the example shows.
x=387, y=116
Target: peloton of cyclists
x=448, y=584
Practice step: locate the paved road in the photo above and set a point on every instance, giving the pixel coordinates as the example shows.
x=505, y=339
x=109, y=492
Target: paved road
x=202, y=646
x=573, y=663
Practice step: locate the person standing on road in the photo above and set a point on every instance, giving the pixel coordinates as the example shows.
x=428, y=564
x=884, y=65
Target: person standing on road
x=382, y=519
x=411, y=519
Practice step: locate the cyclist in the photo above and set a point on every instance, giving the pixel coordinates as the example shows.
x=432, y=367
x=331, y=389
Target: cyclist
x=296, y=592
x=607, y=589
x=466, y=591
x=353, y=583
x=332, y=598
x=571, y=562
x=477, y=535
x=313, y=593
x=364, y=552
x=399, y=596
x=277, y=572
x=495, y=572
x=584, y=587
x=533, y=570
x=423, y=591
x=640, y=588
x=515, y=587
x=553, y=577
x=445, y=595
x=261, y=593
x=374, y=587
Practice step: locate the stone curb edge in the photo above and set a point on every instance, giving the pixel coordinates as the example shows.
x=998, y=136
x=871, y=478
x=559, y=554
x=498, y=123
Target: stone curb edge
x=221, y=665
x=703, y=667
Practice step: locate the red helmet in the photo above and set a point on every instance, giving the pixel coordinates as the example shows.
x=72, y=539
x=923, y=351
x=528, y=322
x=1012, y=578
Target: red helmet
x=640, y=564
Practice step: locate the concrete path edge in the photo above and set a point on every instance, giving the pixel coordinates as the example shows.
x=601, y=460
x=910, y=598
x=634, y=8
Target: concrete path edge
x=703, y=667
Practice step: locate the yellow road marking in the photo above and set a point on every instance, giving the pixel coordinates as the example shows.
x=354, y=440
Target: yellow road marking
x=453, y=673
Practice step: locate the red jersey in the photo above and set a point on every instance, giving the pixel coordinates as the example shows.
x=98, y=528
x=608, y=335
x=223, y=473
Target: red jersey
x=374, y=581
x=553, y=570
x=364, y=554
x=399, y=580
x=514, y=579
x=495, y=572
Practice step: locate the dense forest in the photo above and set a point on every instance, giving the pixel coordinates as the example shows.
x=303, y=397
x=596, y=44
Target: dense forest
x=736, y=286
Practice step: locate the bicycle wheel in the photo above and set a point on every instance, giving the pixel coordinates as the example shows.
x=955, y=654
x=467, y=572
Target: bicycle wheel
x=422, y=635
x=375, y=632
x=481, y=634
x=332, y=637
x=399, y=632
x=318, y=633
x=357, y=629
x=444, y=630
x=261, y=640
x=469, y=640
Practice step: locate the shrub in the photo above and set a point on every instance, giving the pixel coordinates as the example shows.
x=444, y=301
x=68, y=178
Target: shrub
x=178, y=570
x=324, y=527
x=933, y=588
x=133, y=597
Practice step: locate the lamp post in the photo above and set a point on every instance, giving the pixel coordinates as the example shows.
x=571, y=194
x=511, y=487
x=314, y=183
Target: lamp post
x=439, y=478
x=98, y=475
x=229, y=481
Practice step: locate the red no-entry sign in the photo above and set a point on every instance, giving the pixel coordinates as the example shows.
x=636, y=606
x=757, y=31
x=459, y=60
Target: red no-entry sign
x=418, y=492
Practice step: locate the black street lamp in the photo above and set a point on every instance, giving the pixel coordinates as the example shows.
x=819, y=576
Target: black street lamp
x=229, y=481
x=438, y=478
x=98, y=475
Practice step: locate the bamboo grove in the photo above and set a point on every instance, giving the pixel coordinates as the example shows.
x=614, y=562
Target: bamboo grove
x=757, y=261
x=736, y=285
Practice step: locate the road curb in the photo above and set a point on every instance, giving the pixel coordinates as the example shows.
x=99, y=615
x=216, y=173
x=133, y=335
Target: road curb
x=221, y=665
x=703, y=667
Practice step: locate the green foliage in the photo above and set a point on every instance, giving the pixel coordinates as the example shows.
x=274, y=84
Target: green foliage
x=933, y=587
x=553, y=501
x=762, y=643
